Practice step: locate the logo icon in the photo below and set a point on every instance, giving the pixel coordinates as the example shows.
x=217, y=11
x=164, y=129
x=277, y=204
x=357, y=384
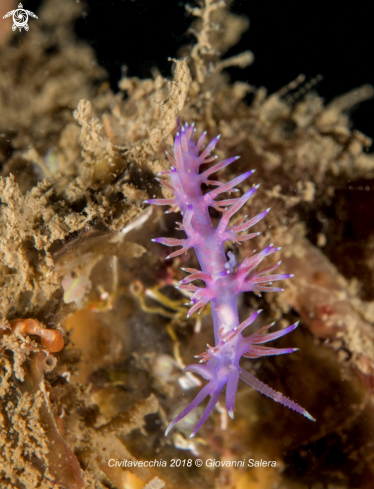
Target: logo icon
x=20, y=17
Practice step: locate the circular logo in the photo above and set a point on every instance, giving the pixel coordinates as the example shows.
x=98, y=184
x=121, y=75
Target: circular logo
x=20, y=18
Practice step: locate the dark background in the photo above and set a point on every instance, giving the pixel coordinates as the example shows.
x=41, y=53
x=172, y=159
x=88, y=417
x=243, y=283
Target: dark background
x=287, y=38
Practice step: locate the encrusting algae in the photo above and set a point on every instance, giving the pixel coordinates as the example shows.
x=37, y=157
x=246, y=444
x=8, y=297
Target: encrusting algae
x=92, y=334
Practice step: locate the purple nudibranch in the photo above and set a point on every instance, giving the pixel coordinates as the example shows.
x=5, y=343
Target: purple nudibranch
x=224, y=277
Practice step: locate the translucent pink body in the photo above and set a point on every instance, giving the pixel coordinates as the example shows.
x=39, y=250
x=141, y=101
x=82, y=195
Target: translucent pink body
x=224, y=278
